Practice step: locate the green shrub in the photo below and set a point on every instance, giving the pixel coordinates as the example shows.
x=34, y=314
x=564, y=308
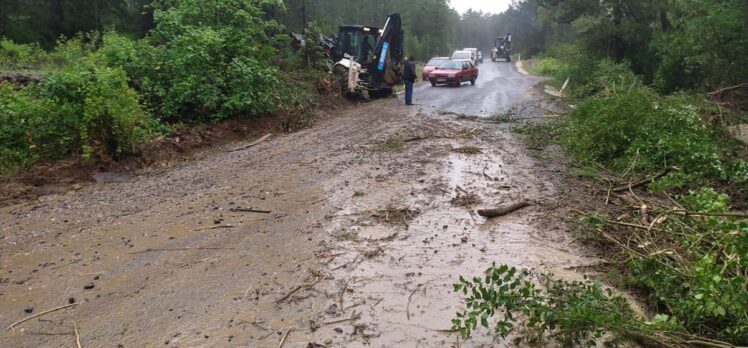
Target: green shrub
x=16, y=56
x=572, y=313
x=83, y=110
x=211, y=60
x=636, y=127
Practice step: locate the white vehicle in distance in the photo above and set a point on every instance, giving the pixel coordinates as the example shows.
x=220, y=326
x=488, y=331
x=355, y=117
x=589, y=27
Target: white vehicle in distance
x=475, y=53
x=465, y=55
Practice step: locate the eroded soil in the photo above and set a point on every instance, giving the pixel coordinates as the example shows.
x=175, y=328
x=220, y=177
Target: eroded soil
x=365, y=221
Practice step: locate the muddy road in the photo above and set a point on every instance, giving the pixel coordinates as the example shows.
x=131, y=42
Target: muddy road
x=347, y=234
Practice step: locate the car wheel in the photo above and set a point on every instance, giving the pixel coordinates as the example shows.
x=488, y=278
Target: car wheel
x=472, y=82
x=433, y=84
x=459, y=84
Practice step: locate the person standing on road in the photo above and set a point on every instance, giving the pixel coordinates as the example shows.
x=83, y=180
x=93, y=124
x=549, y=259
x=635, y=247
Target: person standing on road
x=409, y=78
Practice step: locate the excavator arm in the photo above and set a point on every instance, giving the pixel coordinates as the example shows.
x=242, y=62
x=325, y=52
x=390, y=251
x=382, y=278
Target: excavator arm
x=385, y=64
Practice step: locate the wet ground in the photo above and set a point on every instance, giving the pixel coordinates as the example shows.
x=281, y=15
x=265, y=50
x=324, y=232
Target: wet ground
x=347, y=234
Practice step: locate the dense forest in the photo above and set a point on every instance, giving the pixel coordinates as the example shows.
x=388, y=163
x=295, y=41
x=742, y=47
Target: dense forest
x=655, y=87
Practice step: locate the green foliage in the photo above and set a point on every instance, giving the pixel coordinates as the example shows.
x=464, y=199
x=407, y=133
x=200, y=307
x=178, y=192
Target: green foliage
x=16, y=56
x=635, y=127
x=573, y=313
x=83, y=110
x=697, y=269
x=705, y=48
x=212, y=60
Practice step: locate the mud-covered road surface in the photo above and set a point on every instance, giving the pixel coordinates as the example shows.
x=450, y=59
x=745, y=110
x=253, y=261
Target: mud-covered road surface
x=360, y=227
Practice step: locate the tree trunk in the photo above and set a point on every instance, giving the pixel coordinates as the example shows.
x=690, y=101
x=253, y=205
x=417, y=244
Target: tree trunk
x=619, y=45
x=664, y=20
x=58, y=22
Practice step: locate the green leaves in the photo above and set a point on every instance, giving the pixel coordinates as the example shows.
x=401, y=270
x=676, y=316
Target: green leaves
x=575, y=312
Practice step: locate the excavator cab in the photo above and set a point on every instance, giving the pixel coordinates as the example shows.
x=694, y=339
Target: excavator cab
x=503, y=48
x=368, y=59
x=356, y=41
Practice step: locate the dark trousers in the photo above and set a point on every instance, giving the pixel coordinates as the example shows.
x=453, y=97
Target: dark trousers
x=408, y=92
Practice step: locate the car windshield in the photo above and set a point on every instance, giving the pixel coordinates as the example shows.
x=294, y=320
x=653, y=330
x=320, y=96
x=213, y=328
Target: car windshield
x=436, y=61
x=461, y=55
x=451, y=65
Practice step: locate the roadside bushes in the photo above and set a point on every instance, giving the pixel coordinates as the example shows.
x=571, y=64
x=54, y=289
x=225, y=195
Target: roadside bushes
x=211, y=60
x=83, y=110
x=104, y=94
x=16, y=56
x=637, y=130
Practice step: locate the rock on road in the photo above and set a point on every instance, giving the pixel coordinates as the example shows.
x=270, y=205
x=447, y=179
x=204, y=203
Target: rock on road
x=371, y=220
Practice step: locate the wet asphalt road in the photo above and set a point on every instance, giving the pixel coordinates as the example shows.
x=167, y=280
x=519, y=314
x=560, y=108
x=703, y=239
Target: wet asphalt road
x=499, y=87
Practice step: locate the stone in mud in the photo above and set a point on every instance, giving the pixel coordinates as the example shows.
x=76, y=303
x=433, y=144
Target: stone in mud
x=332, y=309
x=89, y=286
x=28, y=309
x=71, y=300
x=338, y=330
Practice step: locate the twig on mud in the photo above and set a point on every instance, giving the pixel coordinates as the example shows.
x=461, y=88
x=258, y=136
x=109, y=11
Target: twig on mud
x=684, y=212
x=244, y=298
x=283, y=340
x=340, y=297
x=346, y=264
x=270, y=334
x=77, y=336
x=354, y=316
x=265, y=137
x=410, y=297
x=11, y=326
x=643, y=182
x=308, y=286
x=149, y=250
x=491, y=213
x=250, y=210
x=213, y=228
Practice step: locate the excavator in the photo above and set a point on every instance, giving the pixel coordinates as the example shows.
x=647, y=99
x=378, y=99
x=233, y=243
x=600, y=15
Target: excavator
x=367, y=60
x=502, y=49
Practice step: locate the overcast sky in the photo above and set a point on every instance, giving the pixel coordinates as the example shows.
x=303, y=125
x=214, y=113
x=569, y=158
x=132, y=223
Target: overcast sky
x=490, y=6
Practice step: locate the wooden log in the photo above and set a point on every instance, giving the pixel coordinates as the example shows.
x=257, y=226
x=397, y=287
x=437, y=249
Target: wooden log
x=501, y=211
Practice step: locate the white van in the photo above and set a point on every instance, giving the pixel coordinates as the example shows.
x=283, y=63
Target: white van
x=475, y=52
x=465, y=55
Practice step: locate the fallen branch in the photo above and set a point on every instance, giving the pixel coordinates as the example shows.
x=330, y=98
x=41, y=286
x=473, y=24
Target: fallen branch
x=283, y=340
x=11, y=326
x=410, y=297
x=77, y=336
x=265, y=137
x=501, y=211
x=640, y=183
x=149, y=250
x=212, y=228
x=354, y=316
x=693, y=213
x=297, y=289
x=722, y=90
x=250, y=210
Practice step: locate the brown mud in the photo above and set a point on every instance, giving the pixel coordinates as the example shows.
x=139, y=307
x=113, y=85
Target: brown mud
x=347, y=234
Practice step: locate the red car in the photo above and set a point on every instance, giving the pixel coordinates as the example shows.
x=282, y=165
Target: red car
x=431, y=66
x=454, y=72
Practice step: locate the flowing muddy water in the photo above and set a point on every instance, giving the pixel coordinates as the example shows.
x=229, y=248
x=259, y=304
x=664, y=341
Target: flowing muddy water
x=363, y=224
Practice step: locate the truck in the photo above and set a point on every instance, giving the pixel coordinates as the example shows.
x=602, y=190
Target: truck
x=367, y=61
x=502, y=48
